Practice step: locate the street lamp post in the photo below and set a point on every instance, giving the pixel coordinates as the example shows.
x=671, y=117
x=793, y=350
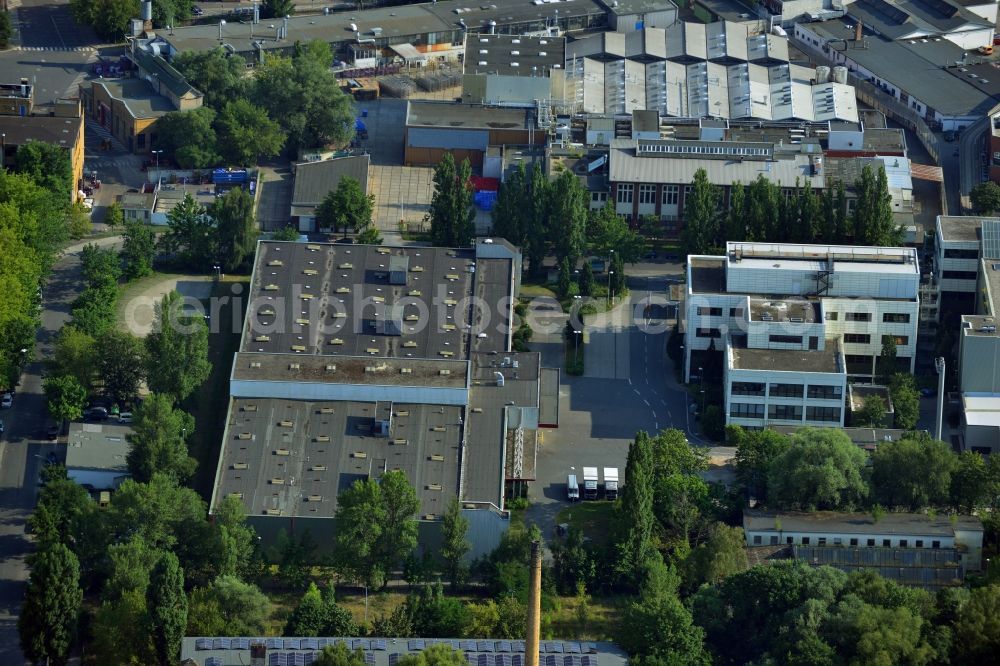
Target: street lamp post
x=611, y=255
x=701, y=378
x=159, y=178
x=576, y=339
x=939, y=365
x=222, y=22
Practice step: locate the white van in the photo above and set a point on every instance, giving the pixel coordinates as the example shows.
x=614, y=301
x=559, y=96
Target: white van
x=572, y=488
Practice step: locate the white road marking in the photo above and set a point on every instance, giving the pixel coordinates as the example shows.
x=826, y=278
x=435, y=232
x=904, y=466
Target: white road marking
x=647, y=402
x=636, y=391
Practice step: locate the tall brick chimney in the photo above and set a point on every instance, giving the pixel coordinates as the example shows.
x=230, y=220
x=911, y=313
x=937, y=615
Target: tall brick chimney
x=534, y=606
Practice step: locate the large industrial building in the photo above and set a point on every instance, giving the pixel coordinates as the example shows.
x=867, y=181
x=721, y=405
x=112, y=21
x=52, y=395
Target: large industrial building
x=795, y=323
x=358, y=360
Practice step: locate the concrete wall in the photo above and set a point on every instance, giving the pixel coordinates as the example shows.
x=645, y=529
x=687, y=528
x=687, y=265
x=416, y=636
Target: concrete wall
x=945, y=541
x=979, y=363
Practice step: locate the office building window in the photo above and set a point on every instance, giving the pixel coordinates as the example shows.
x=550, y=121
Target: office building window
x=708, y=333
x=961, y=254
x=774, y=539
x=785, y=390
x=786, y=339
x=935, y=544
x=828, y=414
x=789, y=540
x=820, y=392
x=857, y=338
x=900, y=339
x=757, y=540
x=886, y=543
x=739, y=410
x=671, y=193
x=837, y=541
x=854, y=541
x=805, y=541
x=599, y=197
x=785, y=412
x=903, y=543
x=857, y=316
x=871, y=542
x=710, y=312
x=647, y=194
x=896, y=318
x=919, y=543
x=625, y=193
x=958, y=275
x=821, y=541
x=735, y=312
x=832, y=316
x=747, y=388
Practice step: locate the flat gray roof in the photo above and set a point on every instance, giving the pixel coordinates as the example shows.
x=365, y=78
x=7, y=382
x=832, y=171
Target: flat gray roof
x=379, y=651
x=467, y=116
x=825, y=360
x=98, y=446
x=137, y=95
x=979, y=325
x=784, y=310
x=918, y=524
x=962, y=227
x=333, y=299
x=488, y=439
x=314, y=180
x=708, y=274
x=436, y=373
x=919, y=69
x=534, y=56
x=294, y=457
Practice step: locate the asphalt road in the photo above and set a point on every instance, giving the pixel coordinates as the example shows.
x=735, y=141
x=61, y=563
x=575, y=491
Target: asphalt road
x=22, y=453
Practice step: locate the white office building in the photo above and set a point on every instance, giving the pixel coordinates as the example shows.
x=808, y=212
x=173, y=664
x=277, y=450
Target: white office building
x=794, y=323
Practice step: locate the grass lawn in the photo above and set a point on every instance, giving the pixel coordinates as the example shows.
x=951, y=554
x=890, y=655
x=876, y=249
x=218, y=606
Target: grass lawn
x=209, y=404
x=593, y=518
x=131, y=290
x=535, y=291
x=588, y=618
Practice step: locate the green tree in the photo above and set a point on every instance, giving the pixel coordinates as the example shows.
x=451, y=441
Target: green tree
x=977, y=627
x=277, y=8
x=6, y=30
x=872, y=414
x=48, y=618
x=131, y=562
x=657, y=627
x=286, y=234
x=346, y=207
x=905, y=400
x=821, y=469
x=113, y=216
x=339, y=655
x=189, y=137
x=319, y=615
x=538, y=203
x=246, y=133
x=736, y=220
x=809, y=210
x=236, y=230
x=585, y=281
x=360, y=517
x=754, y=453
x=77, y=220
x=634, y=515
x=436, y=616
x=454, y=544
x=872, y=219
x=451, y=210
x=971, y=483
x=720, y=556
x=565, y=278
x=217, y=74
x=159, y=440
x=48, y=165
x=304, y=96
x=438, y=654
x=138, y=249
x=168, y=608
x=912, y=473
x=121, y=631
x=73, y=354
x=700, y=215
x=190, y=236
x=511, y=213
x=176, y=350
x=567, y=217
x=985, y=198
x=607, y=232
x=572, y=564
x=399, y=529
x=64, y=513
x=65, y=397
x=121, y=363
x=616, y=275
x=885, y=365
x=370, y=236
x=227, y=606
x=239, y=540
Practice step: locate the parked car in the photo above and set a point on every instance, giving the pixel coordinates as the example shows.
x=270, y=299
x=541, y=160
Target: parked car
x=7, y=401
x=52, y=433
x=197, y=11
x=1, y=427
x=52, y=458
x=125, y=417
x=928, y=392
x=96, y=414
